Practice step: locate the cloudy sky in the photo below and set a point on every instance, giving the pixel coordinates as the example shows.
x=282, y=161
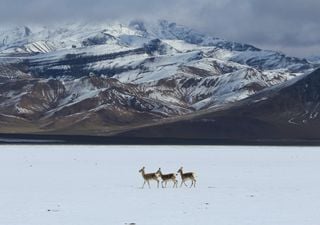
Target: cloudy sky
x=292, y=26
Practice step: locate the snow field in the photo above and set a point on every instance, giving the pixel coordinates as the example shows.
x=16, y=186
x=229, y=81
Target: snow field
x=82, y=185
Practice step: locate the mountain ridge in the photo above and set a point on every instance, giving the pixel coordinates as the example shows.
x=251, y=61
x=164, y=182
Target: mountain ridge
x=109, y=78
x=286, y=112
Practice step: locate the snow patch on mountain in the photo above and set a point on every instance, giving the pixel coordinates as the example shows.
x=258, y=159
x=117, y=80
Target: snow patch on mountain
x=105, y=72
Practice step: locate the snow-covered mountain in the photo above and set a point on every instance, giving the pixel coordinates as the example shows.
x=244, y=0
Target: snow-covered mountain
x=314, y=60
x=108, y=76
x=284, y=114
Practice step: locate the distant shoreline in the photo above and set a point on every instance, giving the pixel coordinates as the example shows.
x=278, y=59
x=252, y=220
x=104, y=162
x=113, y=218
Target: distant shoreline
x=39, y=139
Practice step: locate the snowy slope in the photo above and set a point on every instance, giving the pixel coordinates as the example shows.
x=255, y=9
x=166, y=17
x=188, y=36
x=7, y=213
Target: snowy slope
x=314, y=59
x=94, y=185
x=60, y=37
x=86, y=71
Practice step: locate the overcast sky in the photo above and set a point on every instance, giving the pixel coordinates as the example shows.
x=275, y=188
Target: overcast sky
x=291, y=26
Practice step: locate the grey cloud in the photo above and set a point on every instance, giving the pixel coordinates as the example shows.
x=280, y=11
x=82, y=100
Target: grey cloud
x=288, y=25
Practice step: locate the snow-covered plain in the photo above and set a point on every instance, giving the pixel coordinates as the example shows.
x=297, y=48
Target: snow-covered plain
x=100, y=185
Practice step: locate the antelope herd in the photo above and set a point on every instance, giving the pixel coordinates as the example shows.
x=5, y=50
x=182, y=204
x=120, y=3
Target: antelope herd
x=165, y=178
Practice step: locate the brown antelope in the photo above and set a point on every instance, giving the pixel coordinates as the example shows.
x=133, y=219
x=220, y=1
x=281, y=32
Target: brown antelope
x=148, y=176
x=187, y=176
x=167, y=177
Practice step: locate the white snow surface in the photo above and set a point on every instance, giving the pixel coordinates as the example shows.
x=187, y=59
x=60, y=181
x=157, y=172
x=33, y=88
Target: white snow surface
x=187, y=68
x=101, y=185
x=314, y=59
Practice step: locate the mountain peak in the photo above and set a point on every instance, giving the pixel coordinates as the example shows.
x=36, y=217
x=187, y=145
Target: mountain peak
x=110, y=75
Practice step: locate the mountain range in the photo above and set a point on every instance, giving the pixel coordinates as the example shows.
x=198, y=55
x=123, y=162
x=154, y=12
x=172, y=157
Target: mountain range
x=152, y=79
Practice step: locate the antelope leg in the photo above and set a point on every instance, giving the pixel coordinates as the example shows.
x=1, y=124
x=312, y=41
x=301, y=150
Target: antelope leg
x=143, y=184
x=149, y=184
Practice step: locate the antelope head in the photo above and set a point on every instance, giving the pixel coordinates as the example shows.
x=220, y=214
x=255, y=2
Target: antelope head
x=158, y=172
x=141, y=170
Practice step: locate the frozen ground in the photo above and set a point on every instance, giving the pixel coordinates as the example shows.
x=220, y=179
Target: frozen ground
x=100, y=185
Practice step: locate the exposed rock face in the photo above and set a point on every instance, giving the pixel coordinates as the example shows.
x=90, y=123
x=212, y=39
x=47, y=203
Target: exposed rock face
x=110, y=78
x=287, y=112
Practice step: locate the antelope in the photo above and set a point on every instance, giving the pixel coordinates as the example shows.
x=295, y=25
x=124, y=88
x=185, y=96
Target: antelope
x=167, y=177
x=187, y=176
x=148, y=176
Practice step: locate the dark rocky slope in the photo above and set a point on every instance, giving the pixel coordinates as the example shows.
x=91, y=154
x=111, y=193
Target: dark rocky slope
x=286, y=112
